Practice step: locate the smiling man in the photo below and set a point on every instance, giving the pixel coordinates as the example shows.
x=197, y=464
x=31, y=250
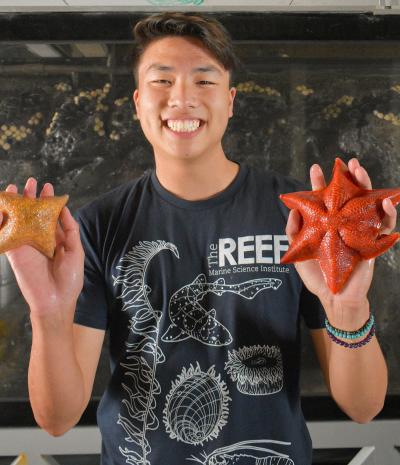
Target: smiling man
x=182, y=267
x=184, y=102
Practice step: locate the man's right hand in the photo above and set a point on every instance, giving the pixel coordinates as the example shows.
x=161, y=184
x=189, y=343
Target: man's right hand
x=50, y=286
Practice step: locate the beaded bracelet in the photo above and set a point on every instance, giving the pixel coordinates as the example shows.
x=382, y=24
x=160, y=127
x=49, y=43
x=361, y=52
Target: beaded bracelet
x=351, y=334
x=353, y=345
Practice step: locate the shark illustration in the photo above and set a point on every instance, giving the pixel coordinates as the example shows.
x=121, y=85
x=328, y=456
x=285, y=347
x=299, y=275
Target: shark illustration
x=191, y=320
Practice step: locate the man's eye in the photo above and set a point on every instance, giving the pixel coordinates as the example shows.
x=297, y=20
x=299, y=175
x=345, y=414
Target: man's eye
x=166, y=81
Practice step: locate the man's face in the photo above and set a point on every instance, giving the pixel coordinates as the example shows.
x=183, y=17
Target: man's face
x=183, y=100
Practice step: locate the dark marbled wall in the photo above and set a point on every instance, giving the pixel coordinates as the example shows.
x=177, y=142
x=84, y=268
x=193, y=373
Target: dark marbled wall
x=84, y=138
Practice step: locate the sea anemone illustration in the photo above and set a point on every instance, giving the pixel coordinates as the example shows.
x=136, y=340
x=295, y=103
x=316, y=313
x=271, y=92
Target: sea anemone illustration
x=196, y=407
x=257, y=370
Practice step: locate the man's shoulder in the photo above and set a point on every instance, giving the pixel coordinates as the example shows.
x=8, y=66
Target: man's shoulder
x=114, y=199
x=276, y=182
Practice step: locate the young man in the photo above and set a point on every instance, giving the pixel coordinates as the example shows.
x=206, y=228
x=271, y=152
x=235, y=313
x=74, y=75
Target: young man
x=182, y=267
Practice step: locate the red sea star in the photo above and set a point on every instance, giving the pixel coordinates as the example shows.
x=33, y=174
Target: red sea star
x=340, y=225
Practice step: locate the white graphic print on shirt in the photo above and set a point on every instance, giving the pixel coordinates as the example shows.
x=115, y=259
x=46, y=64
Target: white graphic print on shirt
x=196, y=407
x=251, y=452
x=190, y=319
x=257, y=370
x=143, y=355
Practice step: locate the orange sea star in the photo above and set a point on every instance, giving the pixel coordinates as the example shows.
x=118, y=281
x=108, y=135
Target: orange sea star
x=340, y=225
x=29, y=221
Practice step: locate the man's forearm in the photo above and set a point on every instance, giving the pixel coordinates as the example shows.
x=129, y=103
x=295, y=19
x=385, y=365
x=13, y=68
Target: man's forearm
x=358, y=377
x=55, y=381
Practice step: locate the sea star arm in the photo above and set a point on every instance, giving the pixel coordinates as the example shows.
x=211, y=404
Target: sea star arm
x=362, y=221
x=341, y=188
x=305, y=245
x=337, y=261
x=309, y=203
x=313, y=213
x=379, y=246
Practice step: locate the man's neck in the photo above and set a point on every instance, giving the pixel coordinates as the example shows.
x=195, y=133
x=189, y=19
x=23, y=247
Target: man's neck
x=198, y=179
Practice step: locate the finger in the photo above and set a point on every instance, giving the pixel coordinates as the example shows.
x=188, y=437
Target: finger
x=72, y=242
x=30, y=188
x=47, y=190
x=352, y=165
x=12, y=188
x=317, y=177
x=389, y=220
x=359, y=174
x=363, y=178
x=293, y=224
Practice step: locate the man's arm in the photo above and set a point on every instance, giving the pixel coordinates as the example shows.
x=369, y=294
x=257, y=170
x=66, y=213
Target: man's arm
x=356, y=378
x=62, y=368
x=64, y=356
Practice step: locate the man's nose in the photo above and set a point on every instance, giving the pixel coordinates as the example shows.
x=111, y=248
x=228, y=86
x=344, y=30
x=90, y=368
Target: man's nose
x=182, y=95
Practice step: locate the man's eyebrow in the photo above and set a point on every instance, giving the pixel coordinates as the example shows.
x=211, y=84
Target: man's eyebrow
x=199, y=69
x=206, y=69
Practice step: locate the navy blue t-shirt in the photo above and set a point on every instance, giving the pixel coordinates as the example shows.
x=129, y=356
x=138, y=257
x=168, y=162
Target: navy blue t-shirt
x=203, y=323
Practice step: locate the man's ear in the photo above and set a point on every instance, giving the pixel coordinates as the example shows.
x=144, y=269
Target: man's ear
x=232, y=92
x=135, y=98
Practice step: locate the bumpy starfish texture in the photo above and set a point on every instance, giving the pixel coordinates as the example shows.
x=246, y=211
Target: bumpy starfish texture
x=341, y=225
x=29, y=221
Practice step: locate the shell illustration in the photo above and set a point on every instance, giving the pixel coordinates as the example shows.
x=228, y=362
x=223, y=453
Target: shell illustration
x=257, y=370
x=196, y=407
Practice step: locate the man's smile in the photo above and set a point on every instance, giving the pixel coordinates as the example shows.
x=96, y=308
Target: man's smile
x=184, y=128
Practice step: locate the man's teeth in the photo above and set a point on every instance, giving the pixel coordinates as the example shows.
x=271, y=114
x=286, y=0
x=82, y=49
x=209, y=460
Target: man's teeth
x=183, y=125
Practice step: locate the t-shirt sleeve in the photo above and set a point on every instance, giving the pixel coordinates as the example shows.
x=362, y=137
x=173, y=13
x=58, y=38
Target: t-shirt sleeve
x=311, y=309
x=92, y=307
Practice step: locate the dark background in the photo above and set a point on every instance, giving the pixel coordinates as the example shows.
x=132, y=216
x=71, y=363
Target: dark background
x=312, y=87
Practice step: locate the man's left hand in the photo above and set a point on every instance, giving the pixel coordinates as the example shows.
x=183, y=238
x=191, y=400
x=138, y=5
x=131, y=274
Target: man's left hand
x=353, y=297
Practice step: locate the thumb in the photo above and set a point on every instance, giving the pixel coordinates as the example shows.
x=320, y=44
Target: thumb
x=70, y=227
